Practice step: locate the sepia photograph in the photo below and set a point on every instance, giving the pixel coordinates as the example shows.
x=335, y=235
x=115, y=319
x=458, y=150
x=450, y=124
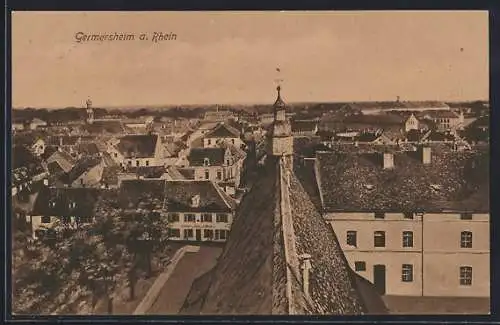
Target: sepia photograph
x=250, y=163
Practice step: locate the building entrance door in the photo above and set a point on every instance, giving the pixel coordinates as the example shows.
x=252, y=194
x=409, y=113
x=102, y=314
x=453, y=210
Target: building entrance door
x=379, y=278
x=198, y=234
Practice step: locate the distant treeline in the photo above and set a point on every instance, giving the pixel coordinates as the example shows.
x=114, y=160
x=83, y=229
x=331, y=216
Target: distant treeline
x=75, y=114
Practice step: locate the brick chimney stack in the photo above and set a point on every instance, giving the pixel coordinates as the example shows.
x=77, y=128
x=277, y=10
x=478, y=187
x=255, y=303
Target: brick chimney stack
x=388, y=160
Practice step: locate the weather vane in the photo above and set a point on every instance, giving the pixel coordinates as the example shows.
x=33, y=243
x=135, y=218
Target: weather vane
x=278, y=80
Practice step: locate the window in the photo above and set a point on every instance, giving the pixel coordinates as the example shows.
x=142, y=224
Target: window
x=351, y=238
x=228, y=162
x=408, y=215
x=379, y=215
x=189, y=217
x=221, y=234
x=207, y=174
x=360, y=266
x=466, y=216
x=209, y=141
x=221, y=217
x=130, y=162
x=465, y=275
x=206, y=217
x=219, y=175
x=45, y=219
x=188, y=233
x=407, y=238
x=466, y=239
x=407, y=273
x=379, y=239
x=147, y=162
x=137, y=163
x=206, y=162
x=232, y=140
x=116, y=155
x=175, y=232
x=208, y=233
x=173, y=217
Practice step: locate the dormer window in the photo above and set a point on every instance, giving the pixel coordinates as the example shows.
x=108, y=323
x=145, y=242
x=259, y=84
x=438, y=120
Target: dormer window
x=72, y=205
x=195, y=201
x=206, y=162
x=52, y=204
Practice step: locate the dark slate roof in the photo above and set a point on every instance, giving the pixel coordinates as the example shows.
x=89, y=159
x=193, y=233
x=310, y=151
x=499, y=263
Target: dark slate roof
x=249, y=278
x=138, y=146
x=215, y=155
x=178, y=196
x=88, y=148
x=110, y=126
x=138, y=193
x=356, y=181
x=67, y=140
x=303, y=126
x=49, y=151
x=22, y=157
x=223, y=130
x=438, y=136
x=54, y=168
x=188, y=173
x=110, y=175
x=443, y=114
x=148, y=172
x=84, y=198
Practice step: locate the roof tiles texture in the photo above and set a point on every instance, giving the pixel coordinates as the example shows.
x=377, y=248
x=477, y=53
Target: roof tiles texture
x=357, y=181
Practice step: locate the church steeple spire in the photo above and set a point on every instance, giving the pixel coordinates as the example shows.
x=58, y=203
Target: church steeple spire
x=279, y=106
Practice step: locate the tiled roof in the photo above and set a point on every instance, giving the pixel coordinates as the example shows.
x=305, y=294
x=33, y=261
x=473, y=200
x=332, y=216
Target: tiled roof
x=223, y=130
x=138, y=146
x=332, y=286
x=173, y=195
x=215, y=155
x=82, y=166
x=249, y=278
x=178, y=196
x=84, y=199
x=357, y=182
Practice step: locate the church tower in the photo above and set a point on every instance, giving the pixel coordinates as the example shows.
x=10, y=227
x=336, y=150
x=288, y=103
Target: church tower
x=90, y=112
x=280, y=139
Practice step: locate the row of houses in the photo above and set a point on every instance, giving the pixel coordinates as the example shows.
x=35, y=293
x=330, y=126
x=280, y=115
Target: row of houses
x=195, y=210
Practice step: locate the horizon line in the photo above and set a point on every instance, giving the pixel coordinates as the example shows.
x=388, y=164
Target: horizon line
x=139, y=106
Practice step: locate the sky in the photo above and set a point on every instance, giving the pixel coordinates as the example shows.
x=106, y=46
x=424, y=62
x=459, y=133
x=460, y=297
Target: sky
x=232, y=57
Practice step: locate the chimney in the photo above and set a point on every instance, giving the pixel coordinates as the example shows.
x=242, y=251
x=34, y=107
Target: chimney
x=60, y=141
x=397, y=99
x=305, y=267
x=426, y=155
x=388, y=160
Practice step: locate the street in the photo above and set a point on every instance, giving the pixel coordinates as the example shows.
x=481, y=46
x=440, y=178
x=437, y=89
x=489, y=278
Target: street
x=175, y=290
